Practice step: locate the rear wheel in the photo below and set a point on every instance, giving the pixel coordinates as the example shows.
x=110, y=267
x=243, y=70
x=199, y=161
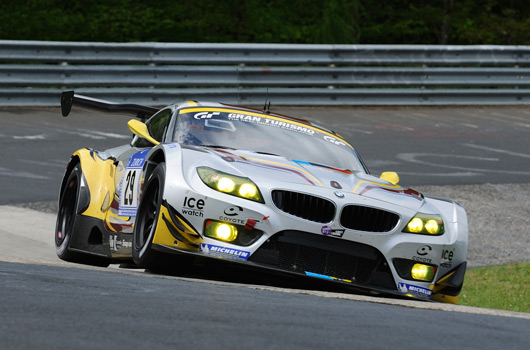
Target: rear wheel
x=64, y=228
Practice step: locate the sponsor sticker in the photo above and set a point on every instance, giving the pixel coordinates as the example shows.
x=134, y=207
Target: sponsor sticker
x=224, y=252
x=337, y=232
x=234, y=210
x=205, y=115
x=412, y=289
x=426, y=249
x=116, y=243
x=424, y=254
x=129, y=184
x=447, y=255
x=334, y=141
x=447, y=258
x=270, y=122
x=193, y=207
x=328, y=231
x=232, y=220
x=422, y=259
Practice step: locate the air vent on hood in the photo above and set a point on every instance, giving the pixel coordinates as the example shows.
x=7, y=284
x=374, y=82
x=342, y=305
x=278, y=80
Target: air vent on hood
x=304, y=205
x=360, y=218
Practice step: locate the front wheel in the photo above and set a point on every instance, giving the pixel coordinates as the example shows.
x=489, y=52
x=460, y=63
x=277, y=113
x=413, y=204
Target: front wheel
x=147, y=219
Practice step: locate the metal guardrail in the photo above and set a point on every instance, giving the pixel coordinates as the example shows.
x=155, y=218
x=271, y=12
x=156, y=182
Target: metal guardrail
x=280, y=96
x=165, y=76
x=32, y=73
x=200, y=53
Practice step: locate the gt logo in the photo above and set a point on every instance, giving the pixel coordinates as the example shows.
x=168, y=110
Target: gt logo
x=205, y=115
x=334, y=141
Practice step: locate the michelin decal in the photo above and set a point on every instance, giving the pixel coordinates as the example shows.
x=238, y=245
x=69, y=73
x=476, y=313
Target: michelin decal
x=224, y=252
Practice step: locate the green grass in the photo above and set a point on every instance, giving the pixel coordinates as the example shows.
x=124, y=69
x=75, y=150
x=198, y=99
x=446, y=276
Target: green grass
x=498, y=287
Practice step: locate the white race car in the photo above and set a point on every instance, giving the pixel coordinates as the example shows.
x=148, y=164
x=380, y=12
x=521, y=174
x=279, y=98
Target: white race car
x=217, y=181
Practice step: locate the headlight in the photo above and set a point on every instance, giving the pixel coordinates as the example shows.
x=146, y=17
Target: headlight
x=425, y=224
x=235, y=185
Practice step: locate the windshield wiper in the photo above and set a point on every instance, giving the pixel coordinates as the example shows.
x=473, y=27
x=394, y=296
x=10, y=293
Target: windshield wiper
x=267, y=153
x=217, y=146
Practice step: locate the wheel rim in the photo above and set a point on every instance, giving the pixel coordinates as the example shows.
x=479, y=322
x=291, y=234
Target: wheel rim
x=147, y=219
x=66, y=212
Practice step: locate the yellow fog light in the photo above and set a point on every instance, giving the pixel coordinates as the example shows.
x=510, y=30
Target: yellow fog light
x=222, y=231
x=422, y=272
x=415, y=225
x=226, y=232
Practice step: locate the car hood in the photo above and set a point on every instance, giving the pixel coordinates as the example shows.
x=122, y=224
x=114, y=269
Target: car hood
x=273, y=171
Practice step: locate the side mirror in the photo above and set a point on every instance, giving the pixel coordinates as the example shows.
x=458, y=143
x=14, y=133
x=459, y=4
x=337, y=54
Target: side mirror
x=390, y=176
x=140, y=129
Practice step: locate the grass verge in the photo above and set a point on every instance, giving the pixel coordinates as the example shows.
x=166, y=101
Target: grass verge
x=498, y=287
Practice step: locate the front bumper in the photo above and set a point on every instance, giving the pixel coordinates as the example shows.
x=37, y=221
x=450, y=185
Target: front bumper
x=295, y=246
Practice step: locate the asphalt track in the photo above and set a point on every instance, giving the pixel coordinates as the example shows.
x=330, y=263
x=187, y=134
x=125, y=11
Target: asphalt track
x=478, y=154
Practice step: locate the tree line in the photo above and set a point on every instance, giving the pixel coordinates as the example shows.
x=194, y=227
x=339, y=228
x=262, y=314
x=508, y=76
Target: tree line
x=453, y=22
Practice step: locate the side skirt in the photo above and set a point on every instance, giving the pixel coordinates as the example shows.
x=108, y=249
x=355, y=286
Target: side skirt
x=91, y=237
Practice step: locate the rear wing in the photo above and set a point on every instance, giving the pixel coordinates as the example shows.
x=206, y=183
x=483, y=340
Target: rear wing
x=70, y=98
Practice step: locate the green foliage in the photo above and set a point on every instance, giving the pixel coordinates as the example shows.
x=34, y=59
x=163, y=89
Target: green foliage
x=269, y=21
x=492, y=22
x=298, y=21
x=402, y=22
x=498, y=287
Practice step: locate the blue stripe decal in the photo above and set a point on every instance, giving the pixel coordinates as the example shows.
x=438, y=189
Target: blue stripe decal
x=312, y=274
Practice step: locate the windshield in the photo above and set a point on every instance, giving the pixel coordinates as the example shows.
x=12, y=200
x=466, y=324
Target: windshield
x=242, y=130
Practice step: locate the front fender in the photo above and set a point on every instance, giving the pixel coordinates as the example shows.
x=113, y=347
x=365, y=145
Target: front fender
x=171, y=155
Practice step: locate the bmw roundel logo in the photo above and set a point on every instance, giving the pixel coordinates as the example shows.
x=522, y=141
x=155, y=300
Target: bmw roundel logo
x=339, y=194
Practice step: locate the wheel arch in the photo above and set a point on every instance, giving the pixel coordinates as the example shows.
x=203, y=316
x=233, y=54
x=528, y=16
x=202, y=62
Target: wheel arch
x=156, y=157
x=74, y=160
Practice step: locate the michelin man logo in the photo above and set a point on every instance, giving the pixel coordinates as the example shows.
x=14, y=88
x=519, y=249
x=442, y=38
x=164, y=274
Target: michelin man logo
x=403, y=288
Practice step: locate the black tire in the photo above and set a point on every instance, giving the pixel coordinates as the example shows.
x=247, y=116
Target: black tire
x=147, y=220
x=64, y=228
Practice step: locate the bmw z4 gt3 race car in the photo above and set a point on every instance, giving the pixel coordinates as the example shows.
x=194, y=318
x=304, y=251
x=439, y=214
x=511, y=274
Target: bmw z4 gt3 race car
x=217, y=181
